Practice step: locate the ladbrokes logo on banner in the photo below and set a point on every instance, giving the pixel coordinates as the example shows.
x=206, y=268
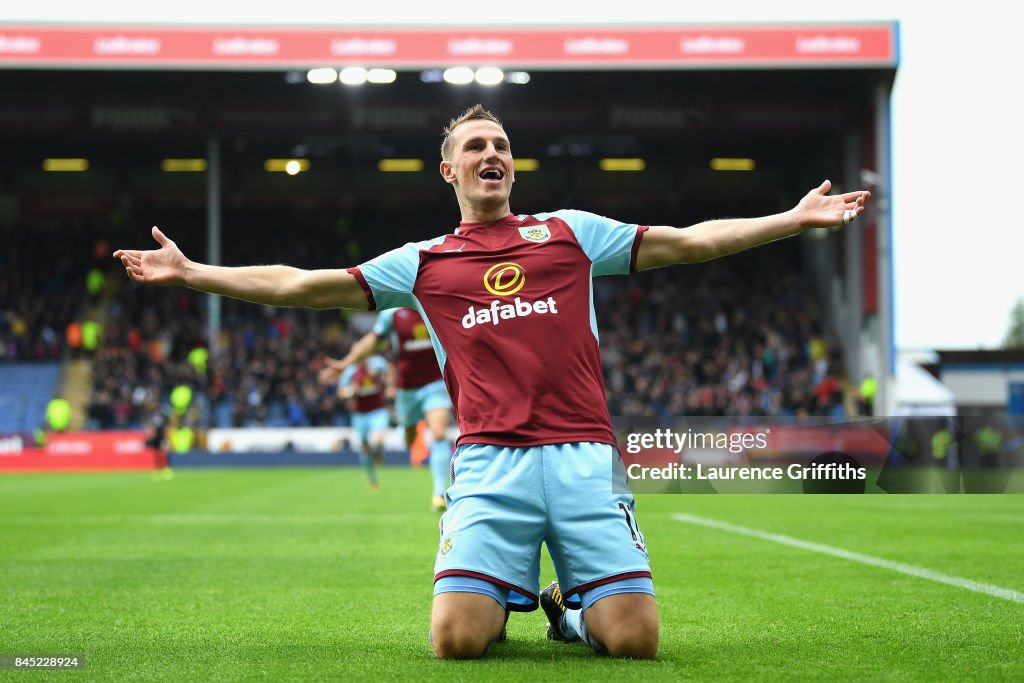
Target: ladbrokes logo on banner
x=506, y=279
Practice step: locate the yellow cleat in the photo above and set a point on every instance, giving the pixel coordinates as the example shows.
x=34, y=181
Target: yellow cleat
x=437, y=504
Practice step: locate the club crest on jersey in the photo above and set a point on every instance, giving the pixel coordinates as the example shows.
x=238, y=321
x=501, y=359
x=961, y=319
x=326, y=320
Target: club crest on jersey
x=447, y=543
x=535, y=233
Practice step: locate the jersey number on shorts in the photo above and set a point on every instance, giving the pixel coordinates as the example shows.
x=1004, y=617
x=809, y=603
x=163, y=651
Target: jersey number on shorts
x=634, y=530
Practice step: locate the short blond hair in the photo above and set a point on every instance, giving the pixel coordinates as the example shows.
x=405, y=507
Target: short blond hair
x=475, y=112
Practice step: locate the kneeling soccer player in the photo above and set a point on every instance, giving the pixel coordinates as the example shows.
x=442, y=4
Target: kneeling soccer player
x=507, y=300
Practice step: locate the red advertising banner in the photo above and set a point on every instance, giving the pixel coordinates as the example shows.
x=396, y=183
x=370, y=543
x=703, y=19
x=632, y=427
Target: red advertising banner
x=126, y=450
x=64, y=46
x=864, y=440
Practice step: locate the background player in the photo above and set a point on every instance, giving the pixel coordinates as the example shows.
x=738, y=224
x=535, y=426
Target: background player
x=421, y=394
x=364, y=384
x=509, y=303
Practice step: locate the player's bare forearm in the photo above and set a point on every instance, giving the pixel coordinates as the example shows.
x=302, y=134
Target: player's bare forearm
x=272, y=285
x=361, y=350
x=328, y=375
x=279, y=285
x=664, y=246
x=391, y=383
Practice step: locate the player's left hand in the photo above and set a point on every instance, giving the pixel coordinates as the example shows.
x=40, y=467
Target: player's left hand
x=819, y=209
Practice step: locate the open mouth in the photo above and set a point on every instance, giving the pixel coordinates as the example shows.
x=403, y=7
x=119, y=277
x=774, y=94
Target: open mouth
x=493, y=174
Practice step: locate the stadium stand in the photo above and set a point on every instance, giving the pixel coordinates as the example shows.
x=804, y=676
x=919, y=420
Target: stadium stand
x=37, y=303
x=25, y=389
x=51, y=278
x=741, y=336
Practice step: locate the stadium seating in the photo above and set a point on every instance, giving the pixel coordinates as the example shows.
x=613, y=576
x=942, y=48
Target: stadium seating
x=37, y=303
x=25, y=389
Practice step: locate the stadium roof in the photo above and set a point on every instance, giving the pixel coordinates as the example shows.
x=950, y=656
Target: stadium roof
x=127, y=97
x=920, y=393
x=791, y=123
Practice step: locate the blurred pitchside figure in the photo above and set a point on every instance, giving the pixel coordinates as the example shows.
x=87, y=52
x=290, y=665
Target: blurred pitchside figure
x=507, y=299
x=364, y=385
x=421, y=394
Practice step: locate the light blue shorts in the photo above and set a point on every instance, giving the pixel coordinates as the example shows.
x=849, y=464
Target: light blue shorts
x=412, y=404
x=369, y=423
x=505, y=501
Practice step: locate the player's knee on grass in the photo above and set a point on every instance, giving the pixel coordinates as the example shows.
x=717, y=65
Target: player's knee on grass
x=634, y=641
x=463, y=625
x=625, y=625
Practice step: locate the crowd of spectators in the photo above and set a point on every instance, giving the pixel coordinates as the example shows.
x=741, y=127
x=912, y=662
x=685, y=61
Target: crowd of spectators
x=738, y=336
x=42, y=286
x=261, y=373
x=262, y=369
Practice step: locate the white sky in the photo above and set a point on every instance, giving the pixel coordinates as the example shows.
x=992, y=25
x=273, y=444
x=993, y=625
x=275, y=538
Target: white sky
x=958, y=124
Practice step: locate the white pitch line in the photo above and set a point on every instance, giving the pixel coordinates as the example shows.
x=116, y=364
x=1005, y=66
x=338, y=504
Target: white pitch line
x=919, y=572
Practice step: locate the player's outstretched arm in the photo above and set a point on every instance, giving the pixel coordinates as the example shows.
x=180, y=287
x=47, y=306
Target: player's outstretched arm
x=328, y=374
x=361, y=350
x=391, y=382
x=271, y=285
x=665, y=246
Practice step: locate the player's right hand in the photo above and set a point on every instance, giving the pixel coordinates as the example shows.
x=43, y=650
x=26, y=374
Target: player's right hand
x=328, y=375
x=334, y=363
x=163, y=266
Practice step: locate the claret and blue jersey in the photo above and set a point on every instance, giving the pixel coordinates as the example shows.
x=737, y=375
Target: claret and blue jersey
x=407, y=333
x=509, y=306
x=368, y=381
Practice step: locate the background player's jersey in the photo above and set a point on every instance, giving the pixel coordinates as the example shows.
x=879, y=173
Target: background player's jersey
x=417, y=364
x=368, y=379
x=509, y=305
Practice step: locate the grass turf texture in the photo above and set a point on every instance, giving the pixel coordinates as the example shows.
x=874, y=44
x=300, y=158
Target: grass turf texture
x=306, y=575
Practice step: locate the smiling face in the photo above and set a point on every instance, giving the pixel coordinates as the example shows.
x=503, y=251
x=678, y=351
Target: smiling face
x=479, y=166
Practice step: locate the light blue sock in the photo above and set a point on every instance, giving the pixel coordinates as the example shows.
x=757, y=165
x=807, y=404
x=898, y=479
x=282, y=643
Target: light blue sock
x=369, y=465
x=574, y=627
x=572, y=624
x=440, y=461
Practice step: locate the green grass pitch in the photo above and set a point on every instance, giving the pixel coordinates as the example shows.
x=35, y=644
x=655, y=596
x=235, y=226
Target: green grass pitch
x=305, y=575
